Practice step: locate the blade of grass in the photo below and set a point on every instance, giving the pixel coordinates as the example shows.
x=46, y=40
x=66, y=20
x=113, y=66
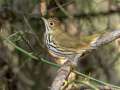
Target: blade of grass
x=98, y=81
x=90, y=85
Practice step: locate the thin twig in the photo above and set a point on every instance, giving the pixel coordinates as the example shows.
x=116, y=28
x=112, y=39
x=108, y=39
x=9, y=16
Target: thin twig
x=63, y=10
x=63, y=5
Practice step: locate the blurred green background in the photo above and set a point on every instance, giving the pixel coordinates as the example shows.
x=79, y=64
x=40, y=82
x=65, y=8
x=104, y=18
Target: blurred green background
x=20, y=20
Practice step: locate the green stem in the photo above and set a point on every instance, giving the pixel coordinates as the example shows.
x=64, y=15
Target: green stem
x=12, y=35
x=30, y=54
x=90, y=85
x=98, y=81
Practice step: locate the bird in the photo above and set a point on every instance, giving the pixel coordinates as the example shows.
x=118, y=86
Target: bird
x=63, y=45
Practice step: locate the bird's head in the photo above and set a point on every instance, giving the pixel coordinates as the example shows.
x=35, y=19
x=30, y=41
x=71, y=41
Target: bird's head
x=52, y=25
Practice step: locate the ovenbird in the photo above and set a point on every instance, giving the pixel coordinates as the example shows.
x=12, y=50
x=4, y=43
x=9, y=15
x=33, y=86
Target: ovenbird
x=61, y=44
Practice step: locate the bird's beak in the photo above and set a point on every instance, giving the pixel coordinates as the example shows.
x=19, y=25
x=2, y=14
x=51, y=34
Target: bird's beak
x=47, y=28
x=44, y=20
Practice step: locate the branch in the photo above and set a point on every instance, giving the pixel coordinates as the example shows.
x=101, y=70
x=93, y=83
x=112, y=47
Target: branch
x=61, y=76
x=105, y=39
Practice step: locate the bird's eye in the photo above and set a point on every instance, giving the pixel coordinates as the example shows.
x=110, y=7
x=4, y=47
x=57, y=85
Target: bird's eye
x=51, y=24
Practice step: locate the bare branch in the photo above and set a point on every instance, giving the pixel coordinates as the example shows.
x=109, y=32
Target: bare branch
x=105, y=39
x=61, y=76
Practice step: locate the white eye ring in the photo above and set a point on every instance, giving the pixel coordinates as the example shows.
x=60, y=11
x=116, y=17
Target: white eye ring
x=51, y=23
